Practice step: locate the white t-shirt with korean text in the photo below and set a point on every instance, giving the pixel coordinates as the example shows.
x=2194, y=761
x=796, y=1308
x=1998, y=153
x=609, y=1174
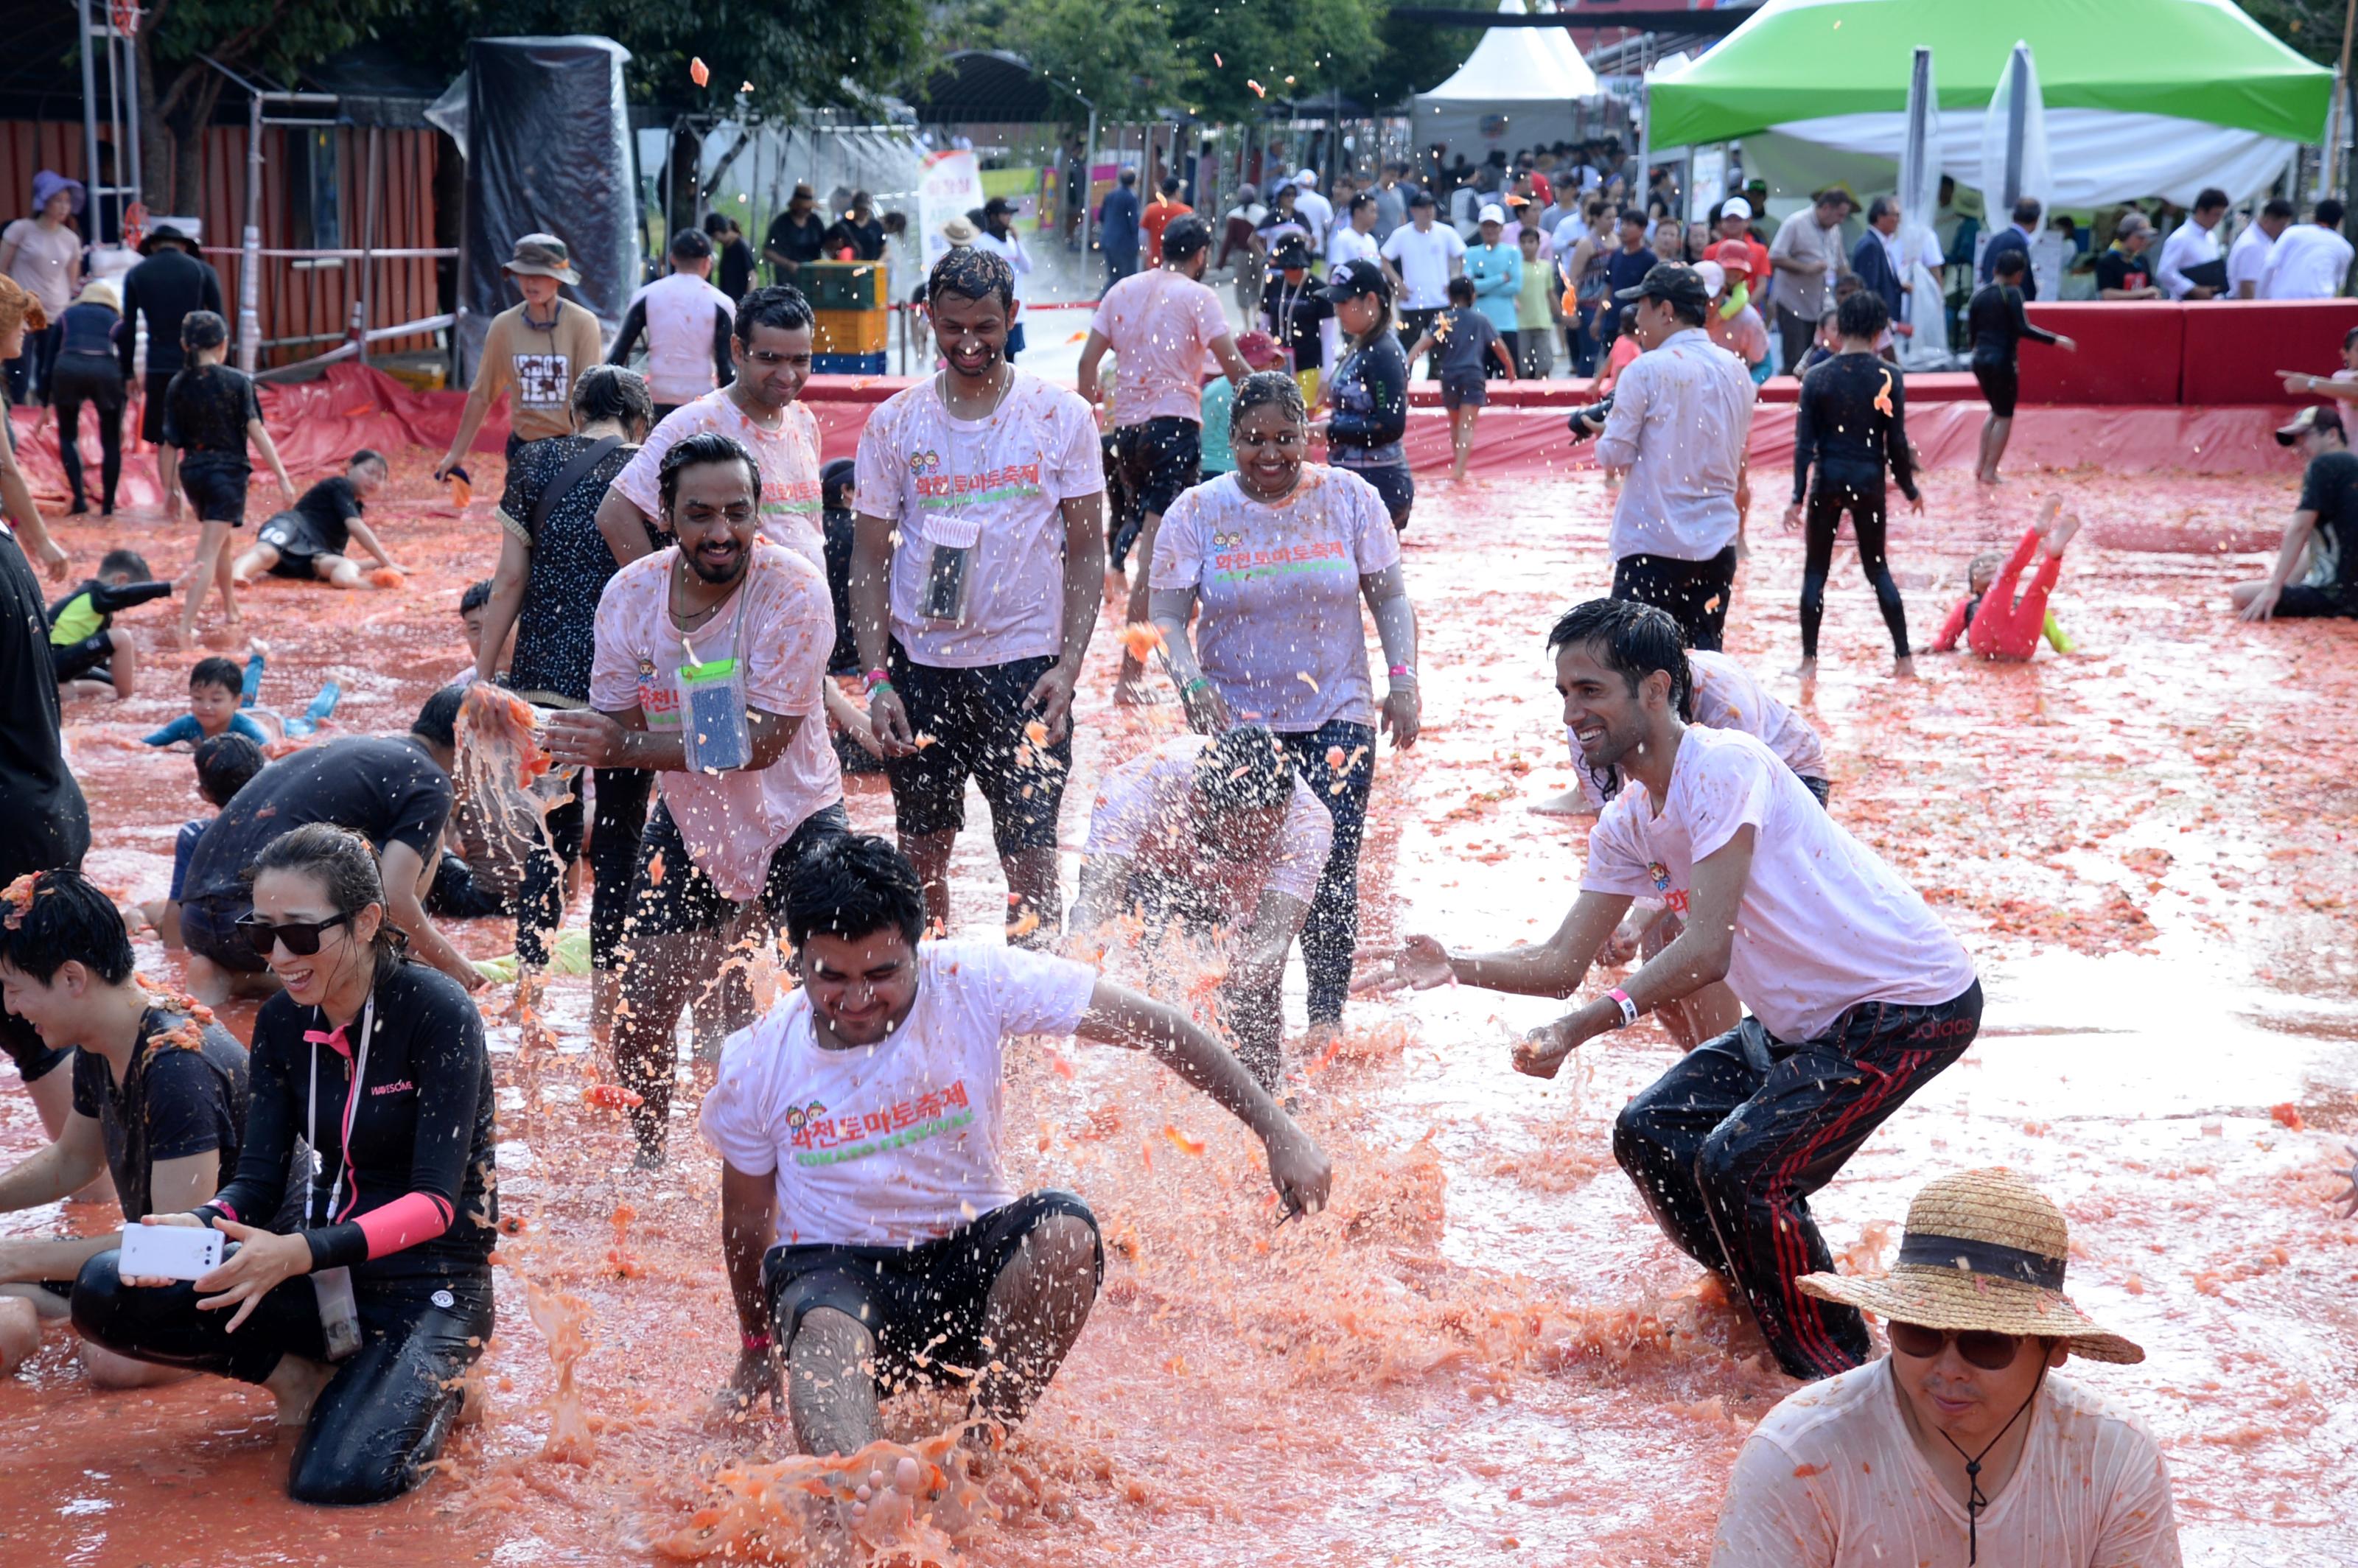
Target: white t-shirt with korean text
x=1823, y=924
x=731, y=821
x=788, y=456
x=897, y=1143
x=995, y=486
x=1147, y=813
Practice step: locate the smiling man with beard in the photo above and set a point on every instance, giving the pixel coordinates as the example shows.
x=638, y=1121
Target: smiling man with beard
x=712, y=658
x=1859, y=995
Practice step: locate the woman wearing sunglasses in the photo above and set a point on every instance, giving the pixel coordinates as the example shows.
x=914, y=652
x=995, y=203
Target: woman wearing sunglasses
x=361, y=1322
x=1959, y=1446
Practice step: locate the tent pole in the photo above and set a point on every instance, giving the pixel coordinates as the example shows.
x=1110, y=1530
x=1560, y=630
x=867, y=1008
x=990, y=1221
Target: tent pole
x=1088, y=190
x=2335, y=134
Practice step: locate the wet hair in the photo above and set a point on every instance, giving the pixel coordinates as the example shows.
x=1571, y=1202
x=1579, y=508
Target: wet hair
x=1864, y=315
x=834, y=480
x=971, y=273
x=66, y=921
x=853, y=887
x=704, y=447
x=127, y=561
x=217, y=671
x=1635, y=639
x=1186, y=237
x=780, y=306
x=224, y=764
x=438, y=721
x=369, y=455
x=1265, y=389
x=2009, y=264
x=2328, y=214
x=610, y=392
x=690, y=245
x=203, y=330
x=1244, y=770
x=477, y=595
x=1461, y=291
x=2027, y=211
x=347, y=870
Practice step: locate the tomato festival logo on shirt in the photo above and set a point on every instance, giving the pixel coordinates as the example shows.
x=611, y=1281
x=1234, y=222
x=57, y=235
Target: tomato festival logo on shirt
x=1010, y=481
x=925, y=462
x=1237, y=561
x=822, y=1139
x=1661, y=876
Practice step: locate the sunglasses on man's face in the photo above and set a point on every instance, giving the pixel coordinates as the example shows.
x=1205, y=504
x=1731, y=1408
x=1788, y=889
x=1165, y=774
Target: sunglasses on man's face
x=300, y=937
x=1990, y=1352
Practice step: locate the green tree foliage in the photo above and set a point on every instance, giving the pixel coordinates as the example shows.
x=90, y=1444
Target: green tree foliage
x=1117, y=54
x=1299, y=50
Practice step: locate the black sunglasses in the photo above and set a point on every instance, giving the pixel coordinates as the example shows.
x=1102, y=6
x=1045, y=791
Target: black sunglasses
x=301, y=936
x=1979, y=1347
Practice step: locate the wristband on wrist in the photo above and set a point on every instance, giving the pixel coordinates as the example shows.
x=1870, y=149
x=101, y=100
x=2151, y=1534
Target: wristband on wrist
x=1403, y=672
x=877, y=678
x=1628, y=1008
x=757, y=1342
x=1192, y=686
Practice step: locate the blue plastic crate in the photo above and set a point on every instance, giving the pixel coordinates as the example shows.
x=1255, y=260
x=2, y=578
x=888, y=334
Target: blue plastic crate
x=847, y=364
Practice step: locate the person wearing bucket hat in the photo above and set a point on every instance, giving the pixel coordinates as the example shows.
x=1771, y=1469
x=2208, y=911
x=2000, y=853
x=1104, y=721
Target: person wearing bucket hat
x=2324, y=528
x=1859, y=994
x=86, y=370
x=538, y=349
x=1960, y=1442
x=44, y=253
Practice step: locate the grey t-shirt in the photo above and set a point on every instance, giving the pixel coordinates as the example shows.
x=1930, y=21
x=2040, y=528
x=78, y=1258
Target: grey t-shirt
x=1465, y=335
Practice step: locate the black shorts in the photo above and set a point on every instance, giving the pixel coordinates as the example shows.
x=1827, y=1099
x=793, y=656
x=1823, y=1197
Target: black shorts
x=2299, y=601
x=2000, y=383
x=1694, y=592
x=93, y=656
x=209, y=929
x=215, y=485
x=976, y=718
x=1820, y=788
x=926, y=1300
x=685, y=902
x=1397, y=488
x=297, y=543
x=1461, y=389
x=151, y=406
x=1160, y=458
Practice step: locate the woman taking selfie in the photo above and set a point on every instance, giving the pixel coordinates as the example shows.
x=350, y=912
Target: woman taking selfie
x=1279, y=555
x=361, y=1322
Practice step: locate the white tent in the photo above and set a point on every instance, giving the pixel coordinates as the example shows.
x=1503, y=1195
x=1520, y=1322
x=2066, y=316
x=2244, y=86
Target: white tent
x=1515, y=91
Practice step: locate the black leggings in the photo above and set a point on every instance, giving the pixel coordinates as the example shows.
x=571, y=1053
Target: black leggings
x=613, y=853
x=383, y=1415
x=74, y=380
x=1330, y=933
x=1829, y=498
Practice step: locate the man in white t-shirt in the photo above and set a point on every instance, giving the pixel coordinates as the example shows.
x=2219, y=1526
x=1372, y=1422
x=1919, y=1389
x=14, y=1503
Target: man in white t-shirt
x=1221, y=835
x=2247, y=258
x=1318, y=212
x=2310, y=261
x=1421, y=259
x=1859, y=995
x=1958, y=1445
x=687, y=324
x=873, y=1233
x=1355, y=238
x=978, y=564
x=711, y=659
x=1161, y=325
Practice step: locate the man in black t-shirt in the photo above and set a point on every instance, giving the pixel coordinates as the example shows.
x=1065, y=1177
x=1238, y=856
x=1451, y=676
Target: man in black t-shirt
x=160, y=1092
x=396, y=793
x=797, y=235
x=2123, y=272
x=310, y=541
x=2324, y=531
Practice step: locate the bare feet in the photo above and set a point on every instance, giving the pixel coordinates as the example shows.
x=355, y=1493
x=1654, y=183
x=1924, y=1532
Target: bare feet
x=2059, y=534
x=295, y=1384
x=20, y=1332
x=1903, y=668
x=1806, y=671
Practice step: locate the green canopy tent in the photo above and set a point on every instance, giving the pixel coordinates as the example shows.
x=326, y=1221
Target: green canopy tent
x=2144, y=97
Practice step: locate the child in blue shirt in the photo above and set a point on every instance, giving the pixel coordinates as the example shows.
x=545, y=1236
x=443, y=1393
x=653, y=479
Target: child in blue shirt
x=215, y=688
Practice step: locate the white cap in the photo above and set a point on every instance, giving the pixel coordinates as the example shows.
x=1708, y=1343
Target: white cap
x=1491, y=213
x=1735, y=207
x=1304, y=176
x=1713, y=275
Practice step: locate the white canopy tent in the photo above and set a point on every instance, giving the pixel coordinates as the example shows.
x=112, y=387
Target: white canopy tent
x=1516, y=89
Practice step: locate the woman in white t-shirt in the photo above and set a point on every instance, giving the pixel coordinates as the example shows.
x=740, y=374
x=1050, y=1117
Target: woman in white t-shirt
x=1279, y=555
x=44, y=254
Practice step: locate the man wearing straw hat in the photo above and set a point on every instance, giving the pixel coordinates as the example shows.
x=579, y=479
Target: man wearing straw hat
x=1958, y=1441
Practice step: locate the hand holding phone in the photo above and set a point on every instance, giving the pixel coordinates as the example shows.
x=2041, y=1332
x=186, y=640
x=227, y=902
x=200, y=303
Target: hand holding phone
x=169, y=1251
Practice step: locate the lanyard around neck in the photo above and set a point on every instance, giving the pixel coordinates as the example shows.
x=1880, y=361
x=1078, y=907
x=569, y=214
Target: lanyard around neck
x=352, y=1101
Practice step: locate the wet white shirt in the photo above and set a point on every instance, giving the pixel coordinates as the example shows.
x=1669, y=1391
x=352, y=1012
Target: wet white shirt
x=1823, y=924
x=1681, y=412
x=897, y=1143
x=1831, y=1479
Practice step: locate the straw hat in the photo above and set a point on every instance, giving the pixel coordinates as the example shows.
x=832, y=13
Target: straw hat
x=1983, y=1250
x=958, y=232
x=100, y=291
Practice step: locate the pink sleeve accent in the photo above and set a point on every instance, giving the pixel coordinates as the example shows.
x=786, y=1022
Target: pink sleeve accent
x=222, y=1209
x=405, y=1222
x=1954, y=627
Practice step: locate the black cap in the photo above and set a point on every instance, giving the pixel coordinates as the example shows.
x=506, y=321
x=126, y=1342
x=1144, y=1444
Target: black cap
x=997, y=206
x=1354, y=278
x=1671, y=282
x=1291, y=251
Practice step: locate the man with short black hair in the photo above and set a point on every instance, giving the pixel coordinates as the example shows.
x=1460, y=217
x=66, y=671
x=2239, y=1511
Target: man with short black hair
x=2194, y=243
x=688, y=323
x=2323, y=532
x=393, y=791
x=1421, y=259
x=2247, y=258
x=1159, y=215
x=2015, y=239
x=1859, y=995
x=159, y=1095
x=1807, y=258
x=872, y=1236
x=1118, y=232
x=1680, y=413
x=796, y=236
x=1160, y=326
x=978, y=569
x=2312, y=260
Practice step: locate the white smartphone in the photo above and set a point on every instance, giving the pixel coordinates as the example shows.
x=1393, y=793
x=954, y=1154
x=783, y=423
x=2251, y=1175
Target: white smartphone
x=169, y=1251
